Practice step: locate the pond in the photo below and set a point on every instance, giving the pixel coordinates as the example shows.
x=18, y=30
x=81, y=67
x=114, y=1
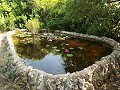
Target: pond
x=59, y=53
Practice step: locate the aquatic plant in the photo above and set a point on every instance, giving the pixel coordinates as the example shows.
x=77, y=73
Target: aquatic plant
x=67, y=50
x=54, y=47
x=81, y=48
x=71, y=48
x=69, y=55
x=57, y=50
x=32, y=25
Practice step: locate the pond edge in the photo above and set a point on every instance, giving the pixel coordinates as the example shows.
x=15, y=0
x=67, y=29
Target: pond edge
x=90, y=78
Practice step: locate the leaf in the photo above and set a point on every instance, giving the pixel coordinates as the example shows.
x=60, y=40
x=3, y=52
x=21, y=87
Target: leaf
x=67, y=44
x=81, y=48
x=57, y=50
x=48, y=45
x=69, y=55
x=54, y=47
x=71, y=48
x=63, y=48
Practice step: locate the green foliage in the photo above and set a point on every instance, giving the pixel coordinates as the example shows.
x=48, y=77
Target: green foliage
x=95, y=17
x=7, y=17
x=33, y=25
x=20, y=21
x=91, y=17
x=2, y=22
x=10, y=25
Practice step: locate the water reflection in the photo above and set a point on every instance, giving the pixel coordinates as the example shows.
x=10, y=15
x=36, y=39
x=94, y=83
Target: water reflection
x=51, y=56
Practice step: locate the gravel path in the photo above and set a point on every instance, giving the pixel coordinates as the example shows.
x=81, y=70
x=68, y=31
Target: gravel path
x=6, y=84
x=2, y=35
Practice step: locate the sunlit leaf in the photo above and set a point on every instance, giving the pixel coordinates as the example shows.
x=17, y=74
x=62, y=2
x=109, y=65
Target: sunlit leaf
x=54, y=47
x=67, y=44
x=57, y=50
x=69, y=55
x=71, y=48
x=63, y=48
x=81, y=48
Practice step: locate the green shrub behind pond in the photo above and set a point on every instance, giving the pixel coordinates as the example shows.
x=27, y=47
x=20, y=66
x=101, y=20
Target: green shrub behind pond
x=91, y=17
x=95, y=17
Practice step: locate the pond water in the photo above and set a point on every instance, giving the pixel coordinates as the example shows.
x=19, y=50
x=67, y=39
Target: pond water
x=61, y=54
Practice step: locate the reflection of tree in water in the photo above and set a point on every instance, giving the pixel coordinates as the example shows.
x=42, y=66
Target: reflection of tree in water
x=35, y=50
x=76, y=63
x=41, y=47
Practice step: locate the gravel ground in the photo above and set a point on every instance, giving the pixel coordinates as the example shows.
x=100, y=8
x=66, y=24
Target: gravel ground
x=6, y=83
x=112, y=84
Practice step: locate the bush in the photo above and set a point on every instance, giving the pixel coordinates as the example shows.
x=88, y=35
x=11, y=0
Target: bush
x=20, y=21
x=91, y=17
x=2, y=23
x=33, y=25
x=7, y=23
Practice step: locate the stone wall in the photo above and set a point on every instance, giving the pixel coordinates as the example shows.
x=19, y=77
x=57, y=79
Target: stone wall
x=90, y=78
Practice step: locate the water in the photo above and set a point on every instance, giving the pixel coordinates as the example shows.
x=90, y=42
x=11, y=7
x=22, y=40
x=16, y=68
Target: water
x=61, y=54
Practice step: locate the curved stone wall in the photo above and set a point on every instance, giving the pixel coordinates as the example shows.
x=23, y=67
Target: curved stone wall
x=90, y=78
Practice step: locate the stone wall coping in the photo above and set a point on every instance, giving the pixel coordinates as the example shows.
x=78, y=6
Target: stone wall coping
x=88, y=78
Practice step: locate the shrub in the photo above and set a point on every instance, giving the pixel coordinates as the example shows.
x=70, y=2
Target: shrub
x=91, y=17
x=33, y=25
x=2, y=22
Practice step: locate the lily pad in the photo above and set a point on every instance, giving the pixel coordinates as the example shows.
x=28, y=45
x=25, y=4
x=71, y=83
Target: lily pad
x=67, y=44
x=57, y=50
x=69, y=55
x=71, y=48
x=63, y=48
x=81, y=48
x=48, y=45
x=54, y=47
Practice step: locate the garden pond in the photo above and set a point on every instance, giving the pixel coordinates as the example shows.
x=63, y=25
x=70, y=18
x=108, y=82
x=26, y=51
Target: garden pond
x=57, y=53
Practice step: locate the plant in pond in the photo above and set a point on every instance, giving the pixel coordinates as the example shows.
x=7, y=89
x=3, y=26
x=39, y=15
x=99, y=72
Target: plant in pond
x=57, y=54
x=17, y=32
x=71, y=48
x=69, y=55
x=81, y=48
x=28, y=41
x=62, y=37
x=57, y=50
x=67, y=50
x=33, y=25
x=54, y=47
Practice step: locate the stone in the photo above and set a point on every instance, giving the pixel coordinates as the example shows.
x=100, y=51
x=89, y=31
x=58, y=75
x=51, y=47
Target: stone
x=90, y=78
